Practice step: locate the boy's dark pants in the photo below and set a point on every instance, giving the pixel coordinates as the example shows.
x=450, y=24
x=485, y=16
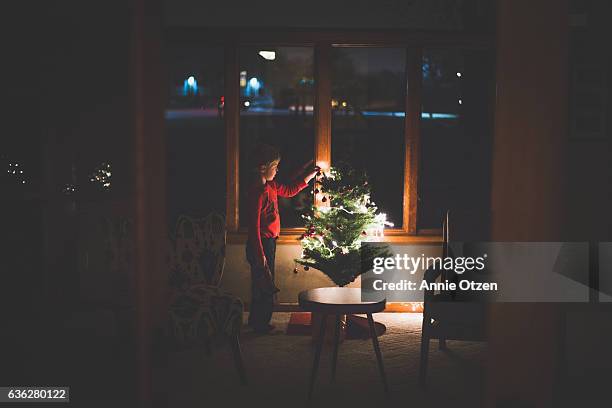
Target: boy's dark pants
x=261, y=303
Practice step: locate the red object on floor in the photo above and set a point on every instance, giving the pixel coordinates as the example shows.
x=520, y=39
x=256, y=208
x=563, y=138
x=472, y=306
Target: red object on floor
x=299, y=324
x=357, y=326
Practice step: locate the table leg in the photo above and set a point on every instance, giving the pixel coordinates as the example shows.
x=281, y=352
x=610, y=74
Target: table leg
x=317, y=357
x=336, y=341
x=381, y=367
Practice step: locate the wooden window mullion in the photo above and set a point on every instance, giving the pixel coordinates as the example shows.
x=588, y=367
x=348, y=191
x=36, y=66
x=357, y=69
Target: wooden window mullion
x=231, y=113
x=412, y=137
x=322, y=106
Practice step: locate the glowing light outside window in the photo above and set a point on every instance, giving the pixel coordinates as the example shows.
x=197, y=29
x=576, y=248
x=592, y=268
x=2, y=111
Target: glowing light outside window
x=190, y=86
x=253, y=87
x=269, y=55
x=307, y=81
x=458, y=74
x=243, y=80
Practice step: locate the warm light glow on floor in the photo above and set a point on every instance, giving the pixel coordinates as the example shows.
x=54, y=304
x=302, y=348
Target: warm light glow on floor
x=404, y=307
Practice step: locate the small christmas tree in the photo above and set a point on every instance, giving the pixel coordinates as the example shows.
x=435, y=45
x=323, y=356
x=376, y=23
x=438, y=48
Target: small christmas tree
x=336, y=230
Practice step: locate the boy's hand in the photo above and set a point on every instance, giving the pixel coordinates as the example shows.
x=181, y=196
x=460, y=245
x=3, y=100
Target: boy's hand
x=311, y=173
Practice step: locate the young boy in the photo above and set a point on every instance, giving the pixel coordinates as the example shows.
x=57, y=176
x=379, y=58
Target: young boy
x=264, y=228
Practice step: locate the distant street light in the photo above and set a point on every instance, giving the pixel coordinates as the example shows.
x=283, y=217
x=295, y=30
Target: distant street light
x=190, y=86
x=269, y=55
x=253, y=87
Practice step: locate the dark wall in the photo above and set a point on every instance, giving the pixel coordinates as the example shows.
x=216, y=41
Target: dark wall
x=20, y=214
x=66, y=94
x=590, y=121
x=416, y=14
x=87, y=87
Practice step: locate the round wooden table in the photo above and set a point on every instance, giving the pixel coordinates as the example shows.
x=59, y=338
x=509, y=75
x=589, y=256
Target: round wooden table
x=340, y=301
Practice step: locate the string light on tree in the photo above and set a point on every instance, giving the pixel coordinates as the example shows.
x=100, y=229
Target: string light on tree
x=102, y=176
x=15, y=172
x=69, y=189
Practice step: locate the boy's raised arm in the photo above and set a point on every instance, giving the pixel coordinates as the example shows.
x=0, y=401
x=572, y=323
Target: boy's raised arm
x=300, y=181
x=289, y=190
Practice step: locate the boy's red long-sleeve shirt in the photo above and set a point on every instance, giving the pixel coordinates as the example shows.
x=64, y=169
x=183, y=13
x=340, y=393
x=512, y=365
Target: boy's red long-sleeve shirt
x=263, y=216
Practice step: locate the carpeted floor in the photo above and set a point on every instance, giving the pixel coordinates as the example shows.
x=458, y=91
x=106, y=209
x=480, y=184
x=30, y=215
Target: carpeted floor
x=278, y=366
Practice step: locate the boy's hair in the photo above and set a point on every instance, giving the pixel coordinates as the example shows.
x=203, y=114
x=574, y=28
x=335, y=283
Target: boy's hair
x=263, y=155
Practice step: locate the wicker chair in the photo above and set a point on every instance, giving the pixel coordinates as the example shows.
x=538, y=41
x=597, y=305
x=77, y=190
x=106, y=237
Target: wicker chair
x=201, y=313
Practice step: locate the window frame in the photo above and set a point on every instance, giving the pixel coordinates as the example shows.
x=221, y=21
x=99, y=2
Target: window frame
x=322, y=41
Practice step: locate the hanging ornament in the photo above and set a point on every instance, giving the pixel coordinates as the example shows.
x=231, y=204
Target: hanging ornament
x=295, y=270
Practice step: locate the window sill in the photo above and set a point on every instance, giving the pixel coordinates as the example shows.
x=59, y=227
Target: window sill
x=292, y=237
x=391, y=307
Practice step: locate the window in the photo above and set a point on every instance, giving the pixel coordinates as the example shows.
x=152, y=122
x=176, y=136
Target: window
x=383, y=101
x=276, y=107
x=195, y=137
x=368, y=112
x=456, y=140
